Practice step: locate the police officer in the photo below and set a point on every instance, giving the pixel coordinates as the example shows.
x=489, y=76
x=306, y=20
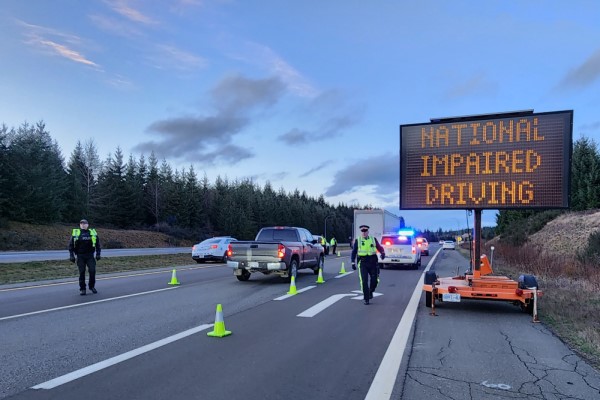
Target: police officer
x=84, y=242
x=333, y=245
x=366, y=248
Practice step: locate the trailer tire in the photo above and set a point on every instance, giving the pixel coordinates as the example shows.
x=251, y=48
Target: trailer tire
x=428, y=296
x=429, y=278
x=527, y=281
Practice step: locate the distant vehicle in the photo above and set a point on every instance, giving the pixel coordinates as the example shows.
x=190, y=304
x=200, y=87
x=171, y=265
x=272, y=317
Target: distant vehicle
x=423, y=245
x=441, y=242
x=281, y=250
x=318, y=239
x=449, y=245
x=214, y=249
x=400, y=249
x=378, y=221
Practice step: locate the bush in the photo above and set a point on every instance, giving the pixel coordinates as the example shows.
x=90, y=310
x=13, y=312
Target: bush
x=592, y=253
x=113, y=244
x=518, y=230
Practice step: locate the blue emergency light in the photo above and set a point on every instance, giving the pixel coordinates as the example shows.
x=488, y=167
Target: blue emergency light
x=406, y=232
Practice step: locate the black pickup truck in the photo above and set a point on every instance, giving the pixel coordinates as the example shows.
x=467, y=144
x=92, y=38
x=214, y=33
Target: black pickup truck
x=280, y=250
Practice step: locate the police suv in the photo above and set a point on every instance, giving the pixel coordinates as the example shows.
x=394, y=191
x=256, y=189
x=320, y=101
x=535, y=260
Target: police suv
x=400, y=249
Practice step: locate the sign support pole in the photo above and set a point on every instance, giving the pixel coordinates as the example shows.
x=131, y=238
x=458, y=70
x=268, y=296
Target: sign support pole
x=477, y=239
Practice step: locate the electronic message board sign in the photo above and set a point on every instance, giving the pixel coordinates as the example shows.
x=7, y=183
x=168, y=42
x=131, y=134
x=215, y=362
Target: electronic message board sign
x=497, y=161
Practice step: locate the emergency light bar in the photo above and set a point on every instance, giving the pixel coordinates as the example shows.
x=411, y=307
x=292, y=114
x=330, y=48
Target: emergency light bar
x=406, y=232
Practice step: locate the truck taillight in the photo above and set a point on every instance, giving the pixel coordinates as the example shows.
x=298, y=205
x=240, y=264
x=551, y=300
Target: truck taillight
x=280, y=251
x=229, y=250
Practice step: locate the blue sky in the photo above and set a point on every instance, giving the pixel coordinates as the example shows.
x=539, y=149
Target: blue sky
x=304, y=94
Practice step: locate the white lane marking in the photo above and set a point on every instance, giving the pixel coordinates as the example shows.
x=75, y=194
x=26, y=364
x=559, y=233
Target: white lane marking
x=317, y=308
x=502, y=386
x=107, y=278
x=383, y=383
x=61, y=380
x=362, y=296
x=343, y=275
x=85, y=304
x=287, y=296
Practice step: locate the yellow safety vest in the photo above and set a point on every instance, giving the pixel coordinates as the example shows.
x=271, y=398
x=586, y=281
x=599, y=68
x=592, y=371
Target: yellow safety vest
x=366, y=247
x=77, y=232
x=332, y=241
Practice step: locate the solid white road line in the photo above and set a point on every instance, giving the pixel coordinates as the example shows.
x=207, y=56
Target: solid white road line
x=117, y=359
x=287, y=296
x=317, y=308
x=383, y=383
x=105, y=278
x=343, y=275
x=85, y=304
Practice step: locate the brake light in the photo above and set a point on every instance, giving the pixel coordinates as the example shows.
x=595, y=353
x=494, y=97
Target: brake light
x=229, y=250
x=414, y=250
x=387, y=242
x=451, y=289
x=519, y=292
x=213, y=246
x=281, y=251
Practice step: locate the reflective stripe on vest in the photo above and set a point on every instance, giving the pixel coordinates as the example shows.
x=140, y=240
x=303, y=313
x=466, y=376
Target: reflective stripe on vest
x=366, y=247
x=77, y=232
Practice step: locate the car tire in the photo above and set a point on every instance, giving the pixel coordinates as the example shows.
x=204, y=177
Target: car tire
x=320, y=264
x=292, y=268
x=244, y=276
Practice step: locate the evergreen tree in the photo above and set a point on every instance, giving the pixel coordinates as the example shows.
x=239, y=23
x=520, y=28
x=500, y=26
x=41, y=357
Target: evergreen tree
x=76, y=194
x=585, y=175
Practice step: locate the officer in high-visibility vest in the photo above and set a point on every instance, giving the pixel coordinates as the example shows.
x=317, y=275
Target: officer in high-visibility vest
x=366, y=248
x=324, y=244
x=333, y=245
x=83, y=244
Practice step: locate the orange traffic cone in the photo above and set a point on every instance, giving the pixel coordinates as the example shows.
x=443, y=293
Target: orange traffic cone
x=219, y=329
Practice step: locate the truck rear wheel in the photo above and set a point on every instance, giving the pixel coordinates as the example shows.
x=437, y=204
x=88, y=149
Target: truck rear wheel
x=293, y=269
x=244, y=276
x=320, y=264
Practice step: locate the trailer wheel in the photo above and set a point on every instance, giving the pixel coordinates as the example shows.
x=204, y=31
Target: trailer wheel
x=428, y=296
x=244, y=276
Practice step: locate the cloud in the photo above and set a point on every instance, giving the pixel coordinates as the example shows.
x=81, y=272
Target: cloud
x=315, y=169
x=583, y=75
x=266, y=58
x=475, y=85
x=590, y=127
x=116, y=26
x=296, y=136
x=174, y=58
x=379, y=172
x=47, y=40
x=207, y=139
x=123, y=8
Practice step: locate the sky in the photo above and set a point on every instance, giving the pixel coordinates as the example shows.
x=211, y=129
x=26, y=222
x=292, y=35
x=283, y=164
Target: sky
x=302, y=94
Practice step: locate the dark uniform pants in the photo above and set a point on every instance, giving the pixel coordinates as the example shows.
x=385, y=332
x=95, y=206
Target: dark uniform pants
x=368, y=268
x=90, y=261
x=334, y=248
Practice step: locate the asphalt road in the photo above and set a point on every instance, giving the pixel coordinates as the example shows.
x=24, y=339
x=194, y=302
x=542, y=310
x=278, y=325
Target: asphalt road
x=47, y=255
x=140, y=338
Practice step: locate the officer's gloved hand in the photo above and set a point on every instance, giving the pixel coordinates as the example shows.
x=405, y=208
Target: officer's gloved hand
x=98, y=257
x=72, y=258
x=354, y=266
x=383, y=256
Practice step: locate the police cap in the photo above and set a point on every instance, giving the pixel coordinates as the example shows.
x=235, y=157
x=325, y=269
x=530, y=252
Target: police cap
x=84, y=221
x=364, y=227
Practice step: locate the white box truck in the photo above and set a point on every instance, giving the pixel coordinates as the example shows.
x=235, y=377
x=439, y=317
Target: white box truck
x=379, y=221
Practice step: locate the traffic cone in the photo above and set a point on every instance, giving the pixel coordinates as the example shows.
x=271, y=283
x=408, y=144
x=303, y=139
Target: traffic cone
x=292, y=286
x=219, y=329
x=174, y=280
x=320, y=278
x=339, y=253
x=343, y=270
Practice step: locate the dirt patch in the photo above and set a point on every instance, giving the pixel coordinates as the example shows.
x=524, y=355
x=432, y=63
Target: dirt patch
x=27, y=237
x=567, y=234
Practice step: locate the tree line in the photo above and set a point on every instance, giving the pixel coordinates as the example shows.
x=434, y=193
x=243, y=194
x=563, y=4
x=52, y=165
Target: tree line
x=38, y=186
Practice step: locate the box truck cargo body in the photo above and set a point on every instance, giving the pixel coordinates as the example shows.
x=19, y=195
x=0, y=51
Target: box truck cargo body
x=379, y=221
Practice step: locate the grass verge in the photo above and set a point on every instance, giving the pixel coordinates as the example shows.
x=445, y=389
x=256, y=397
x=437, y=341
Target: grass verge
x=44, y=270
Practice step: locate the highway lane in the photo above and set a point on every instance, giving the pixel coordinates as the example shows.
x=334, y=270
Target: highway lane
x=48, y=255
x=272, y=353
